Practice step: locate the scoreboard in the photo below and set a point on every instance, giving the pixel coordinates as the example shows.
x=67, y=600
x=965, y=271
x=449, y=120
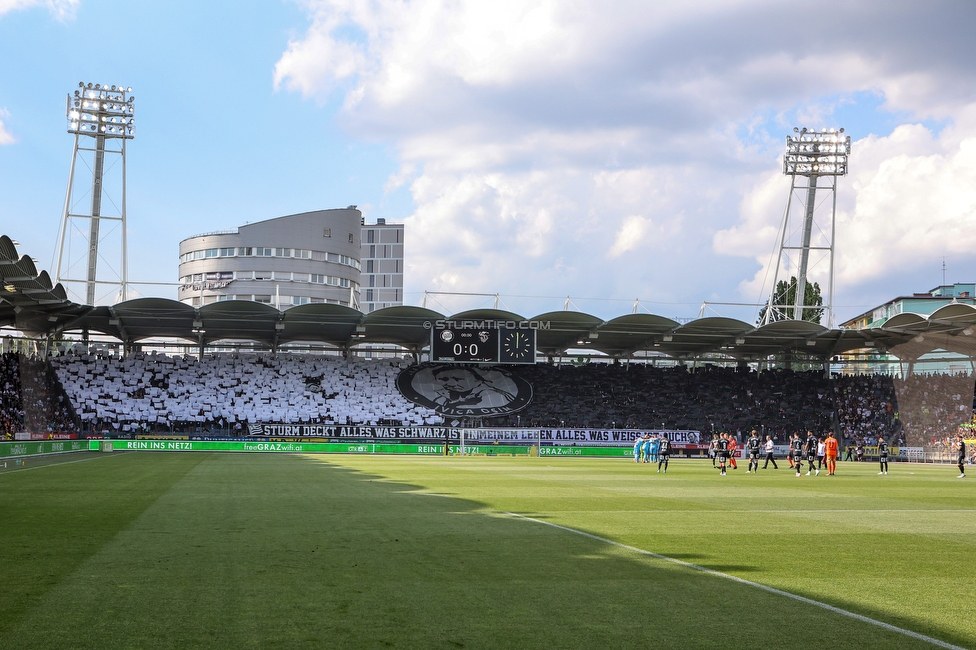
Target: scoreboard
x=481, y=342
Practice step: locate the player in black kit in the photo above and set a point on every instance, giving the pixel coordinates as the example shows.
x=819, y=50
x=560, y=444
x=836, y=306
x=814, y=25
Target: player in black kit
x=664, y=454
x=883, y=455
x=811, y=449
x=796, y=452
x=722, y=452
x=752, y=446
x=961, y=457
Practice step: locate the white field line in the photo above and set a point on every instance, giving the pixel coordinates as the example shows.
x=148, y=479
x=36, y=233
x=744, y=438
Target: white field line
x=772, y=590
x=70, y=462
x=814, y=511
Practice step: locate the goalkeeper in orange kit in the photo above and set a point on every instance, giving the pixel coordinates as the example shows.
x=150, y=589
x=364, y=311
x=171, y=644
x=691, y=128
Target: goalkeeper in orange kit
x=830, y=450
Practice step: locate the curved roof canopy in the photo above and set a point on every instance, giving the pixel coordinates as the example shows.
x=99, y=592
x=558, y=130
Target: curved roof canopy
x=29, y=302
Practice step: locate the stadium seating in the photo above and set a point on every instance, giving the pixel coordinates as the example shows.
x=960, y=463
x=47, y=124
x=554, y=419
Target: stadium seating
x=707, y=399
x=31, y=398
x=229, y=391
x=157, y=391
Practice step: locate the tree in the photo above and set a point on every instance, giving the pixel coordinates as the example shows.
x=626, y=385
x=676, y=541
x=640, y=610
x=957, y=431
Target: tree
x=785, y=298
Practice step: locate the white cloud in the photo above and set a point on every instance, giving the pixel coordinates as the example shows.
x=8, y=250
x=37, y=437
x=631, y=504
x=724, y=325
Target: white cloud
x=630, y=235
x=540, y=136
x=6, y=137
x=62, y=9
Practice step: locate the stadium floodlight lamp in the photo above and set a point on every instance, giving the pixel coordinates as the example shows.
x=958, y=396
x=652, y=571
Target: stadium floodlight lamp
x=101, y=109
x=817, y=153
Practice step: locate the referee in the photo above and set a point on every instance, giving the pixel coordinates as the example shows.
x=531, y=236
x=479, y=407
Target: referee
x=770, y=448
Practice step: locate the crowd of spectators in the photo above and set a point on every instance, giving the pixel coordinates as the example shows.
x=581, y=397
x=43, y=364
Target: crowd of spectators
x=31, y=398
x=708, y=399
x=938, y=404
x=155, y=392
x=776, y=403
x=230, y=391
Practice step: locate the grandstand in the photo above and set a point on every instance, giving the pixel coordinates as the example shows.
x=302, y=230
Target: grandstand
x=224, y=394
x=721, y=374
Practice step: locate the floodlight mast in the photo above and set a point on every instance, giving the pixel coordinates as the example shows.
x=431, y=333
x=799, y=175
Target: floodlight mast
x=106, y=114
x=810, y=155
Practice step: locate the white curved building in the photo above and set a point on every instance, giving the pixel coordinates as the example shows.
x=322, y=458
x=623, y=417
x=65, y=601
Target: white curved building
x=312, y=257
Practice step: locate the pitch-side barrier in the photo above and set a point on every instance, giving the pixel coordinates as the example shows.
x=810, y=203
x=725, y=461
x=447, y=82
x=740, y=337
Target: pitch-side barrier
x=17, y=451
x=355, y=448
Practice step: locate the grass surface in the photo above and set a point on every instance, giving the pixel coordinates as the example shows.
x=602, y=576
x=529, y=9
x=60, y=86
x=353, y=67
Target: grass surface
x=168, y=550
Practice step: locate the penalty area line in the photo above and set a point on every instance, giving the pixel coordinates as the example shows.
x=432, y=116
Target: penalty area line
x=772, y=590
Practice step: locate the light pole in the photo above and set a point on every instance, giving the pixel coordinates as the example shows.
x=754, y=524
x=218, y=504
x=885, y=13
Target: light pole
x=106, y=115
x=810, y=155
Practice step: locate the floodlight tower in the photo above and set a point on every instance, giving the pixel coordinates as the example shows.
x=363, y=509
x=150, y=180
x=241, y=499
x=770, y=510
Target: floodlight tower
x=810, y=156
x=105, y=115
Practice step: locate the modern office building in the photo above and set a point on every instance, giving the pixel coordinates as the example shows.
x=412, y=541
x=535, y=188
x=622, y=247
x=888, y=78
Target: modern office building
x=325, y=256
x=382, y=266
x=311, y=257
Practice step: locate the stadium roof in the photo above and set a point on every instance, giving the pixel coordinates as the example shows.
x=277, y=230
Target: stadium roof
x=30, y=303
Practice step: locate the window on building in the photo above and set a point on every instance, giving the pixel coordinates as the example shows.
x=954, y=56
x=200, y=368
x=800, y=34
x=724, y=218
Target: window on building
x=245, y=251
x=212, y=252
x=198, y=277
x=264, y=299
x=369, y=266
x=317, y=278
x=264, y=252
x=327, y=232
x=196, y=301
x=227, y=252
x=300, y=300
x=263, y=275
x=303, y=254
x=351, y=240
x=282, y=252
x=370, y=236
x=369, y=295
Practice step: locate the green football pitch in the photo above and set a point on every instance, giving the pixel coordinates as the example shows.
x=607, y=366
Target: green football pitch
x=209, y=550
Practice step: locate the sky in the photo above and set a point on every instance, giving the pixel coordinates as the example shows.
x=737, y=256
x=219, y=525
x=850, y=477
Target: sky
x=556, y=153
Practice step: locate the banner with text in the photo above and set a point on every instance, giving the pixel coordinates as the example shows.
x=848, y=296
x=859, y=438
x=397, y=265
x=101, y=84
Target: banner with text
x=307, y=447
x=546, y=436
x=15, y=449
